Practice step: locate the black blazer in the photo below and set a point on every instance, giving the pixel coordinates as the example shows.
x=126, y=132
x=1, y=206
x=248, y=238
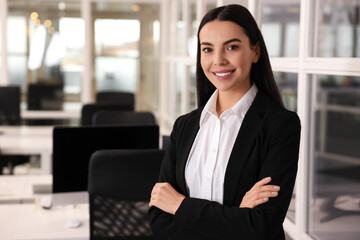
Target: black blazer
x=267, y=145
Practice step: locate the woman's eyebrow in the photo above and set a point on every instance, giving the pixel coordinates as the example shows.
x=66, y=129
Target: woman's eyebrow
x=232, y=40
x=207, y=44
x=225, y=43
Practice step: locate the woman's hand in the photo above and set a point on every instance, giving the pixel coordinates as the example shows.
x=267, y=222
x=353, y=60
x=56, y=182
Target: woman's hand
x=165, y=197
x=259, y=194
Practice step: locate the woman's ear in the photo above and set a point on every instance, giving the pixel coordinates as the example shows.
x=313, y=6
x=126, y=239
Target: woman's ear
x=257, y=52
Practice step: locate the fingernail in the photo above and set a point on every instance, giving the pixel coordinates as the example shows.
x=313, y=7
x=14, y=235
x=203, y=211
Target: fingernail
x=268, y=178
x=265, y=199
x=277, y=188
x=273, y=193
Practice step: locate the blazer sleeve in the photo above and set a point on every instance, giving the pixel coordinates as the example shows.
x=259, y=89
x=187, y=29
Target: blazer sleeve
x=161, y=223
x=212, y=220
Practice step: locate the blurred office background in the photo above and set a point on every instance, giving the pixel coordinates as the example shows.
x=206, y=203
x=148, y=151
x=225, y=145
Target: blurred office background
x=148, y=47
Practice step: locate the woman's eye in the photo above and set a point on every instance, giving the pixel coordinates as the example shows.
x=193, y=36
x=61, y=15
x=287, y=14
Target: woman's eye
x=206, y=50
x=232, y=47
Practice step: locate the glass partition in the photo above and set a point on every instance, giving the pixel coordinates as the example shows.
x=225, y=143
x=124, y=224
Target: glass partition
x=180, y=32
x=280, y=27
x=127, y=50
x=17, y=50
x=337, y=28
x=192, y=41
x=116, y=61
x=287, y=84
x=0, y=47
x=193, y=95
x=186, y=29
x=45, y=47
x=180, y=79
x=334, y=211
x=172, y=85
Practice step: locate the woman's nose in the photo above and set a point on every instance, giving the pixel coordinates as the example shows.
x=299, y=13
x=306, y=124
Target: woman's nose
x=220, y=58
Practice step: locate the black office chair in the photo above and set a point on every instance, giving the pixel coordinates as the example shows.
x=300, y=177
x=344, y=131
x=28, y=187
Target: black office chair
x=116, y=97
x=42, y=96
x=123, y=118
x=120, y=184
x=10, y=115
x=10, y=105
x=45, y=96
x=88, y=110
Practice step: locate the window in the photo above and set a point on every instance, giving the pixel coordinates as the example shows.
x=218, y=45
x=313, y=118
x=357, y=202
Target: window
x=117, y=52
x=45, y=46
x=322, y=84
x=280, y=27
x=337, y=29
x=335, y=183
x=127, y=52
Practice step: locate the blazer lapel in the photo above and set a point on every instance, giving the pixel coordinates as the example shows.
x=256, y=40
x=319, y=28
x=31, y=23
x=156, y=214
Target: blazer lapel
x=242, y=146
x=188, y=134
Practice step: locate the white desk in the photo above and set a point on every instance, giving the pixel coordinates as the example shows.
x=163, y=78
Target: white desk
x=22, y=217
x=30, y=221
x=11, y=188
x=32, y=140
x=41, y=114
x=19, y=188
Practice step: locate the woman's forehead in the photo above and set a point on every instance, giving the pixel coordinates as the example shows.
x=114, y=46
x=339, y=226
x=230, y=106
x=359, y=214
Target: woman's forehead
x=217, y=30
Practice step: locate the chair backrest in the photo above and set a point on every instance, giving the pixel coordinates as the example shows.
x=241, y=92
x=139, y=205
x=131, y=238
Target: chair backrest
x=42, y=96
x=10, y=105
x=120, y=184
x=116, y=97
x=88, y=110
x=123, y=118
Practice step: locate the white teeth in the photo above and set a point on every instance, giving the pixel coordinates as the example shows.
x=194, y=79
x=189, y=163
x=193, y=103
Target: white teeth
x=222, y=74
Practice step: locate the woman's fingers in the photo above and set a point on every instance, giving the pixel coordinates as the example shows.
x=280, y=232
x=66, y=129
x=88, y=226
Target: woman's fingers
x=263, y=182
x=267, y=194
x=165, y=197
x=267, y=189
x=260, y=193
x=156, y=193
x=260, y=201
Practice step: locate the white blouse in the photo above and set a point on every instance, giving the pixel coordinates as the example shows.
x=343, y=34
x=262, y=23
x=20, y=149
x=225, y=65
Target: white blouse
x=207, y=161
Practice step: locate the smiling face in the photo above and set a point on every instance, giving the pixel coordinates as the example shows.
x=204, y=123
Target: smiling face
x=227, y=56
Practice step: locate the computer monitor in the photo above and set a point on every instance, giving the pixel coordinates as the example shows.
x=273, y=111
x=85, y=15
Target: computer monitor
x=73, y=146
x=9, y=105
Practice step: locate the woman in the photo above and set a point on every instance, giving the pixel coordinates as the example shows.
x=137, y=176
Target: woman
x=214, y=181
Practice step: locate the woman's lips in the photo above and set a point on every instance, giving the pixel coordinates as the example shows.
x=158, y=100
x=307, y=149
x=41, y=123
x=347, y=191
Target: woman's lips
x=223, y=74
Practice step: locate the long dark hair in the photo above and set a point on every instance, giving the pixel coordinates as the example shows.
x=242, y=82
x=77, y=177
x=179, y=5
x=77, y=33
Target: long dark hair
x=261, y=72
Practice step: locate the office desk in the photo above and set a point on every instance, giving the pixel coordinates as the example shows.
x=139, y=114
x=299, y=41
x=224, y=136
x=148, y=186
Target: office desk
x=11, y=188
x=48, y=114
x=22, y=217
x=30, y=221
x=19, y=188
x=28, y=140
